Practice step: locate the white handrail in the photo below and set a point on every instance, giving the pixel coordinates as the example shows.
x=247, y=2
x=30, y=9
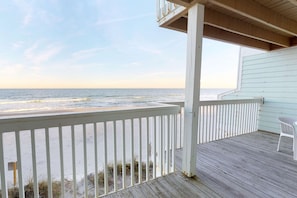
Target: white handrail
x=220, y=119
x=147, y=135
x=164, y=8
x=125, y=135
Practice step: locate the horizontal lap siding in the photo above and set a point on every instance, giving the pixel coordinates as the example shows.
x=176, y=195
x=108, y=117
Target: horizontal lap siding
x=271, y=75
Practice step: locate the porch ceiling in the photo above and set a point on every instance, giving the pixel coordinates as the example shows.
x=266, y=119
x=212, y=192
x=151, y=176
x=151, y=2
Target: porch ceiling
x=263, y=24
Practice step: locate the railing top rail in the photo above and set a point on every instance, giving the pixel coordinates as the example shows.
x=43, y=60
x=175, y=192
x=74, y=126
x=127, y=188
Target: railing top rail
x=37, y=121
x=237, y=101
x=220, y=102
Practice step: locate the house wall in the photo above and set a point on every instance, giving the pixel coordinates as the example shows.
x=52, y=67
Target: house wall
x=272, y=75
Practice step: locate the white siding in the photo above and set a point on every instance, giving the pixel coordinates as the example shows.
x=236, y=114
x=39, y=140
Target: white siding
x=271, y=75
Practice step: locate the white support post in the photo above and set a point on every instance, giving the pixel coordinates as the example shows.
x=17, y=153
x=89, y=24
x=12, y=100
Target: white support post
x=192, y=93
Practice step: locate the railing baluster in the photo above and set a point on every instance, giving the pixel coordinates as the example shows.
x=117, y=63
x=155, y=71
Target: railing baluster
x=124, y=154
x=180, y=130
x=2, y=168
x=168, y=143
x=34, y=167
x=161, y=145
x=19, y=164
x=73, y=160
x=148, y=148
x=85, y=159
x=246, y=109
x=199, y=125
x=48, y=161
x=216, y=122
x=96, y=186
x=174, y=142
x=61, y=162
x=241, y=119
x=115, y=167
x=105, y=159
x=154, y=146
x=202, y=124
x=132, y=154
x=140, y=152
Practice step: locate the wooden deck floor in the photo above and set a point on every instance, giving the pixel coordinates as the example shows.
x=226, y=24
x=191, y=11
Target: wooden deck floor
x=243, y=166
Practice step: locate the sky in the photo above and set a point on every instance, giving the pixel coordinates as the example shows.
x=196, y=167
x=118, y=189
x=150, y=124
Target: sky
x=100, y=44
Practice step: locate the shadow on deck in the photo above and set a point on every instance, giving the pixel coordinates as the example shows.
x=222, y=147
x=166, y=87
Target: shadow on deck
x=242, y=166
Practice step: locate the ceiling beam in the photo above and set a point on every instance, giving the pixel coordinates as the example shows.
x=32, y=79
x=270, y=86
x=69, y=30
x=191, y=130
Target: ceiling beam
x=222, y=35
x=187, y=3
x=179, y=25
x=184, y=3
x=228, y=23
x=259, y=13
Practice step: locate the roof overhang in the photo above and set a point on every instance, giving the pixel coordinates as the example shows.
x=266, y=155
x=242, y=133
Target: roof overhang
x=263, y=24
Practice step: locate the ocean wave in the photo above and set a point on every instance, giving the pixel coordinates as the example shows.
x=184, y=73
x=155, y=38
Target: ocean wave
x=49, y=100
x=26, y=110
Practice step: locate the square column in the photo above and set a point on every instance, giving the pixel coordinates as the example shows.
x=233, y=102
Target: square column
x=192, y=91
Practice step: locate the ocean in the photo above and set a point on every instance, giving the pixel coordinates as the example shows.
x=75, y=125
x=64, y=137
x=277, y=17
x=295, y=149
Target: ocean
x=40, y=100
x=23, y=101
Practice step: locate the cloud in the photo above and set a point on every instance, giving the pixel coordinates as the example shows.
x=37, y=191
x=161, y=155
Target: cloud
x=17, y=45
x=38, y=54
x=31, y=12
x=117, y=20
x=27, y=9
x=82, y=54
x=150, y=50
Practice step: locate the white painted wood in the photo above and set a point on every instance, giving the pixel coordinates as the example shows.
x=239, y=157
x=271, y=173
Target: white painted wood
x=192, y=91
x=76, y=121
x=158, y=9
x=174, y=142
x=34, y=166
x=105, y=159
x=73, y=161
x=148, y=148
x=19, y=164
x=96, y=186
x=155, y=148
x=85, y=159
x=48, y=162
x=162, y=147
x=124, y=154
x=167, y=143
x=2, y=169
x=140, y=151
x=115, y=167
x=132, y=153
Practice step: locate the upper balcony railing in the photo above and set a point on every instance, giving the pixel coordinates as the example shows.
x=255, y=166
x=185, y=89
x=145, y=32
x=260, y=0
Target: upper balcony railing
x=166, y=10
x=96, y=153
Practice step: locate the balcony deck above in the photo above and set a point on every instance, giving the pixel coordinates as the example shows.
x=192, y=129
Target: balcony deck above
x=263, y=24
x=242, y=166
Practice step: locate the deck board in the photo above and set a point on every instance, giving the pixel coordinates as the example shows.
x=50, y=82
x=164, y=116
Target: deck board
x=242, y=166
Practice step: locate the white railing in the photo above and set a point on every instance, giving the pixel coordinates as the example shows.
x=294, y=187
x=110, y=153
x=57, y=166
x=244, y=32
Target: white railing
x=87, y=154
x=221, y=119
x=164, y=8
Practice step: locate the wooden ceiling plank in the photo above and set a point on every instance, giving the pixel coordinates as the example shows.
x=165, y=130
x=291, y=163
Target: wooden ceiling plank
x=234, y=25
x=259, y=13
x=222, y=35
